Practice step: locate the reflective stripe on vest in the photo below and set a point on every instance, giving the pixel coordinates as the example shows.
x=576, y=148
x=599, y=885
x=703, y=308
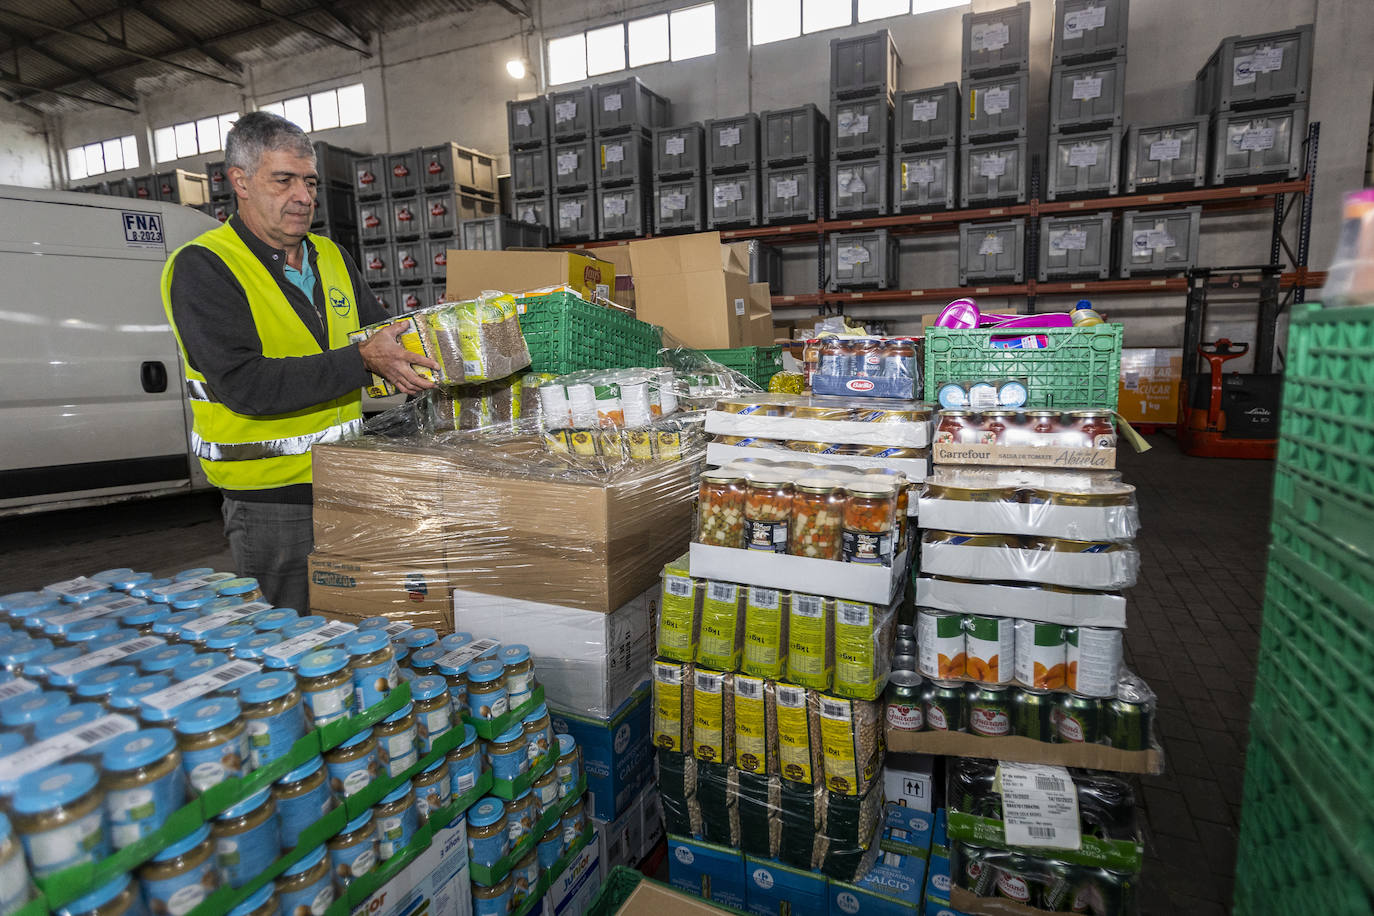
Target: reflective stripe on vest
x=273, y=448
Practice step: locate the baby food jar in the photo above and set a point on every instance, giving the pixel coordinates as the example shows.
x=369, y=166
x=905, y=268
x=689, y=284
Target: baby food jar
x=433, y=710
x=488, y=832
x=194, y=600
x=374, y=623
x=396, y=819
x=252, y=648
x=27, y=710
x=433, y=789
x=520, y=816
x=538, y=730
x=374, y=667
x=519, y=670
x=117, y=898
x=99, y=684
x=244, y=588
x=569, y=765
x=178, y=878
x=465, y=762
x=353, y=764
x=123, y=579
x=353, y=852
x=15, y=889
x=574, y=821
x=524, y=879
x=455, y=641
x=144, y=783
x=87, y=630
x=419, y=638
x=326, y=684
x=262, y=902
x=302, y=625
x=396, y=741
x=506, y=754
x=425, y=661
x=545, y=790
x=487, y=698
x=456, y=675
x=494, y=900
x=225, y=638
x=163, y=660
x=303, y=797
x=59, y=815
x=275, y=620
x=550, y=848
x=214, y=742
x=273, y=713
x=247, y=838
x=307, y=887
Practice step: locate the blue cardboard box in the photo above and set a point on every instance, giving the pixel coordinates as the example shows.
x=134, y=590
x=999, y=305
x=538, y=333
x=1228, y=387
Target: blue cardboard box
x=938, y=880
x=935, y=908
x=714, y=873
x=939, y=839
x=616, y=754
x=906, y=830
x=775, y=889
x=891, y=888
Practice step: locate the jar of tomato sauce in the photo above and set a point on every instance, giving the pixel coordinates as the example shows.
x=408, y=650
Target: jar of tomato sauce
x=952, y=425
x=1096, y=425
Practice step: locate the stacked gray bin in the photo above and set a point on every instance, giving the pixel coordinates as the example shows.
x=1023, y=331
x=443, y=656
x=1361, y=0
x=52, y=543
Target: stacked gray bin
x=862, y=260
x=529, y=126
x=575, y=168
x=494, y=234
x=993, y=108
x=925, y=162
x=1076, y=247
x=1166, y=156
x=1158, y=241
x=992, y=252
x=625, y=113
x=1254, y=91
x=865, y=72
x=679, y=167
x=732, y=195
x=1087, y=99
x=795, y=153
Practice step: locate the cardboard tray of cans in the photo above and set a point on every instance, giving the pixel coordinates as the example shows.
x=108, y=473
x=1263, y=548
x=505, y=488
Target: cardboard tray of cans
x=817, y=422
x=1074, y=505
x=1082, y=439
x=1099, y=565
x=1048, y=604
x=1027, y=750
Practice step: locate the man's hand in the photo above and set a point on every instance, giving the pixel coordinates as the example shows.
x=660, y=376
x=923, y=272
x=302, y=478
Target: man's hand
x=383, y=354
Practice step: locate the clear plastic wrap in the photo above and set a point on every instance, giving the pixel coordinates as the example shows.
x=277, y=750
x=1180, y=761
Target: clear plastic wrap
x=1071, y=505
x=1095, y=565
x=882, y=367
x=673, y=695
x=1051, y=604
x=414, y=340
x=1013, y=883
x=466, y=407
x=482, y=334
x=1044, y=428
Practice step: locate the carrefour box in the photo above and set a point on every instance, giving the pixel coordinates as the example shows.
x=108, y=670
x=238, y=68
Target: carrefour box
x=892, y=887
x=938, y=881
x=571, y=893
x=714, y=873
x=906, y=830
x=436, y=883
x=939, y=838
x=622, y=840
x=617, y=755
x=775, y=889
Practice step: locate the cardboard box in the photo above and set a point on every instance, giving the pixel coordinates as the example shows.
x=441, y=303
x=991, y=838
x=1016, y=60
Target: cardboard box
x=618, y=255
x=1027, y=750
x=653, y=899
x=682, y=284
x=571, y=893
x=1148, y=390
x=714, y=873
x=760, y=314
x=617, y=755
x=852, y=581
x=908, y=782
x=1082, y=459
x=906, y=830
x=471, y=272
x=938, y=881
x=939, y=840
x=590, y=663
x=775, y=889
x=630, y=839
x=1110, y=570
x=352, y=590
x=1074, y=523
x=1070, y=609
x=436, y=882
x=892, y=887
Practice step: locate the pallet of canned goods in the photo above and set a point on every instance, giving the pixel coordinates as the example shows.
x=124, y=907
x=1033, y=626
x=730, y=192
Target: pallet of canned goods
x=1104, y=565
x=1072, y=505
x=1083, y=439
x=1047, y=603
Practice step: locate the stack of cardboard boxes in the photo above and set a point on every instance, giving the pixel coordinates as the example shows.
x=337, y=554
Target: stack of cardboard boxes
x=697, y=289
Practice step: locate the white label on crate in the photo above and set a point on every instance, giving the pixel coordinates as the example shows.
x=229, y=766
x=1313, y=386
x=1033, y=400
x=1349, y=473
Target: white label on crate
x=569, y=211
x=567, y=162
x=60, y=747
x=990, y=36
x=851, y=255
x=1243, y=70
x=1266, y=60
x=1039, y=806
x=1161, y=150
x=1255, y=139
x=852, y=124
x=613, y=206
x=1082, y=155
x=1158, y=239
x=1084, y=20
x=785, y=188
x=307, y=641
x=728, y=136
x=922, y=171
x=106, y=655
x=611, y=102
x=1089, y=87
x=522, y=117
x=925, y=109
x=527, y=215
x=671, y=203
x=564, y=111
x=992, y=166
x=15, y=688
x=991, y=244
x=1068, y=240
x=225, y=617
x=996, y=101
x=201, y=684
x=615, y=153
x=674, y=146
x=726, y=193
x=740, y=307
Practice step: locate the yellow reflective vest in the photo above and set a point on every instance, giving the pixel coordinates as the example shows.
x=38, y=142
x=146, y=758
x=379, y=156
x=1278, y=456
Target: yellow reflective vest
x=242, y=452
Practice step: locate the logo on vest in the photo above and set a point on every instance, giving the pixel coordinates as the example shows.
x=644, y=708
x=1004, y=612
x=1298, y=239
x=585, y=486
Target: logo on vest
x=340, y=302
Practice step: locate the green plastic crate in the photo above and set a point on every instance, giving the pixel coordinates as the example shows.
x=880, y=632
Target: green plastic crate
x=566, y=333
x=1081, y=367
x=759, y=364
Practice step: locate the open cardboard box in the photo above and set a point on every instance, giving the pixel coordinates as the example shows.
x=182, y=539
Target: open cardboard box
x=1070, y=609
x=1026, y=750
x=653, y=899
x=694, y=288
x=472, y=272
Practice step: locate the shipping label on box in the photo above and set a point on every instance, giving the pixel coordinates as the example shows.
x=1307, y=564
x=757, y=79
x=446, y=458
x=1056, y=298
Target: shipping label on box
x=714, y=873
x=774, y=888
x=617, y=755
x=1149, y=385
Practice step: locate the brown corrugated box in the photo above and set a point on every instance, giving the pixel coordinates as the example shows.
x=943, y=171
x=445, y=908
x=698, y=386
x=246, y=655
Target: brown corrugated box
x=651, y=899
x=472, y=272
x=352, y=589
x=760, y=316
x=691, y=286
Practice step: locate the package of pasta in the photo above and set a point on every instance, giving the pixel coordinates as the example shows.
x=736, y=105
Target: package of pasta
x=480, y=406
x=713, y=716
x=799, y=734
x=679, y=612
x=811, y=641
x=863, y=648
x=756, y=726
x=413, y=339
x=722, y=626
x=482, y=334
x=760, y=814
x=801, y=808
x=765, y=632
x=672, y=698
x=852, y=743
x=718, y=797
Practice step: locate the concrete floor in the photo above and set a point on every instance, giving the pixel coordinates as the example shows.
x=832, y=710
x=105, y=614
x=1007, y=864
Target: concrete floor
x=1193, y=634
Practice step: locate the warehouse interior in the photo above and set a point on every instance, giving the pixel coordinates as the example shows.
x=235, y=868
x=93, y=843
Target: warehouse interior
x=1247, y=554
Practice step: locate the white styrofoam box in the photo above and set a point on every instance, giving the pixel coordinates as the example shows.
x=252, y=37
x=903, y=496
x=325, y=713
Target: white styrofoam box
x=436, y=882
x=571, y=893
x=1076, y=523
x=915, y=469
x=1114, y=569
x=587, y=661
x=908, y=780
x=846, y=432
x=1071, y=609
x=853, y=581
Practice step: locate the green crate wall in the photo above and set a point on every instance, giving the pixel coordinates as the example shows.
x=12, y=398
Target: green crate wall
x=759, y=364
x=566, y=333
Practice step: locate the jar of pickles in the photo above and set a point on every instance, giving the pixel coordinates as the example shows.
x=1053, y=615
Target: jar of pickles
x=767, y=513
x=870, y=523
x=817, y=515
x=720, y=509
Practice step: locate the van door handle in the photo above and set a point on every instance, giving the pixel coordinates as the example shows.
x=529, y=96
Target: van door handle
x=154, y=377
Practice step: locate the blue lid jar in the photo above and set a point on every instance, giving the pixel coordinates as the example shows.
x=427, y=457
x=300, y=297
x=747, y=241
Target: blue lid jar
x=538, y=713
x=514, y=733
x=192, y=839
x=102, y=682
x=428, y=687
x=220, y=604
x=143, y=616
x=98, y=898
x=240, y=585
x=302, y=625
x=118, y=636
x=138, y=749
x=17, y=604
x=77, y=595
x=308, y=861
x=420, y=637
x=153, y=714
x=566, y=744
x=256, y=901
x=397, y=793
x=486, y=670
x=194, y=600
x=367, y=642
x=253, y=647
x=248, y=805
x=455, y=641
x=41, y=666
x=302, y=771
x=322, y=662
x=171, y=624
x=486, y=812
x=87, y=630
x=145, y=588
x=197, y=572
x=358, y=822
x=53, y=786
x=25, y=652
x=162, y=658
x=275, y=619
x=227, y=637
x=285, y=662
x=126, y=700
x=401, y=713
x=207, y=715
x=132, y=580
x=32, y=707
x=266, y=687
x=74, y=716
x=359, y=738
x=426, y=659
x=371, y=623
x=514, y=654
x=112, y=577
x=469, y=736
x=199, y=665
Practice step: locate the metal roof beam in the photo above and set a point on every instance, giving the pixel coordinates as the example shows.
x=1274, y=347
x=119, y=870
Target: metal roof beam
x=262, y=8
x=516, y=7
x=87, y=74
x=344, y=22
x=186, y=37
x=40, y=90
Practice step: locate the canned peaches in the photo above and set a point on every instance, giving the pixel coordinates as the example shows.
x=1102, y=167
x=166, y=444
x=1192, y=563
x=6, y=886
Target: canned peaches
x=991, y=648
x=940, y=644
x=1041, y=659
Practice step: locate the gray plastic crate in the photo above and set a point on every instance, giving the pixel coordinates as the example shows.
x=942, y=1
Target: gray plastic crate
x=1076, y=246
x=1256, y=71
x=476, y=206
x=369, y=177
x=1158, y=241
x=624, y=159
x=765, y=265
x=414, y=296
x=334, y=163
x=574, y=164
x=927, y=117
x=864, y=65
x=1084, y=164
x=124, y=187
x=860, y=127
x=992, y=173
x=1089, y=29
x=407, y=218
x=1084, y=96
x=794, y=193
x=1258, y=144
x=925, y=179
x=679, y=150
x=732, y=143
x=449, y=165
x=859, y=187
x=574, y=214
x=403, y=173
x=334, y=207
x=862, y=260
x=571, y=114
x=992, y=252
x=996, y=108
x=386, y=295
x=440, y=212
x=678, y=205
x=624, y=210
x=537, y=210
x=527, y=122
x=732, y=199
x=497, y=233
x=1172, y=155
x=409, y=262
x=997, y=41
x=793, y=135
x=436, y=251
x=376, y=264
x=627, y=105
x=223, y=209
x=530, y=170
x=218, y=174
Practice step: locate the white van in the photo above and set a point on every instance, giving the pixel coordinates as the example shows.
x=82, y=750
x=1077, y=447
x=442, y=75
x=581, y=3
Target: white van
x=92, y=389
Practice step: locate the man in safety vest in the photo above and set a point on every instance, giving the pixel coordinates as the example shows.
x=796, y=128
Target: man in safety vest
x=262, y=310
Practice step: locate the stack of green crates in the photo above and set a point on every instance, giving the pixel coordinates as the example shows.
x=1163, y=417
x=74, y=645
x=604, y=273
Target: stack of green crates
x=759, y=364
x=1077, y=369
x=1307, y=830
x=566, y=333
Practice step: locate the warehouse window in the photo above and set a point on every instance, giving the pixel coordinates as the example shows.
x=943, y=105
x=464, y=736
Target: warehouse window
x=678, y=35
x=819, y=15
x=192, y=138
x=778, y=20
x=112, y=155
x=342, y=107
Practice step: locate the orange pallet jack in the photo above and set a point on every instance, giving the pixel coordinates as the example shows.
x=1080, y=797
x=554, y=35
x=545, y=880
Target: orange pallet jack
x=1204, y=434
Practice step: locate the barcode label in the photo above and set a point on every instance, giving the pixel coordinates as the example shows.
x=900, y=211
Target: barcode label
x=721, y=591
x=92, y=611
x=185, y=585
x=60, y=747
x=677, y=586
x=853, y=615
x=1039, y=806
x=307, y=641
x=835, y=709
x=396, y=629
x=106, y=655
x=200, y=685
x=78, y=586
x=1049, y=784
x=459, y=657
x=16, y=687
x=225, y=617
x=709, y=681
x=1042, y=833
x=765, y=598
x=668, y=674
x=808, y=605
x=793, y=697
x=748, y=687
